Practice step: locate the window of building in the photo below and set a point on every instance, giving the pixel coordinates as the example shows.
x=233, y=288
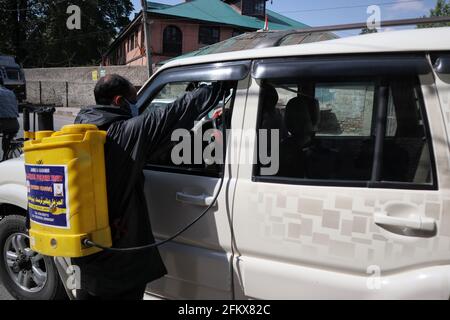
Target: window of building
x=136, y=39
x=131, y=42
x=254, y=7
x=208, y=35
x=172, y=41
x=333, y=131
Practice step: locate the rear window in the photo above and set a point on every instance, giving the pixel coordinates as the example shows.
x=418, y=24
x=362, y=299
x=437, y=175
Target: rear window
x=333, y=132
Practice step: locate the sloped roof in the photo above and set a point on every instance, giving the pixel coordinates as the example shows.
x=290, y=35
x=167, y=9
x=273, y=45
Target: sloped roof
x=216, y=11
x=157, y=5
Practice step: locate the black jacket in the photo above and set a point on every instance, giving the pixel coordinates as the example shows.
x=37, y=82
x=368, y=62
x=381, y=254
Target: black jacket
x=129, y=142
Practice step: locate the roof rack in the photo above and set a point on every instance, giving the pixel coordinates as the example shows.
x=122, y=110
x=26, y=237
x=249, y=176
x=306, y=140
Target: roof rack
x=279, y=36
x=387, y=23
x=361, y=25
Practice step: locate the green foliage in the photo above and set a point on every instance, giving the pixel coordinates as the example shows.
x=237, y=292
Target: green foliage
x=35, y=31
x=441, y=9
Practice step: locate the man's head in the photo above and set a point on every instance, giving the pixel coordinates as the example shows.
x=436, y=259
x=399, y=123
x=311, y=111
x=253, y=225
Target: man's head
x=115, y=90
x=269, y=97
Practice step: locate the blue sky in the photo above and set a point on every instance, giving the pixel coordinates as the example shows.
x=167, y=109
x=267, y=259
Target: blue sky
x=329, y=12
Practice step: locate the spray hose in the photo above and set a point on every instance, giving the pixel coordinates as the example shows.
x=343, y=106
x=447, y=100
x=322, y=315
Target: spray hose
x=89, y=243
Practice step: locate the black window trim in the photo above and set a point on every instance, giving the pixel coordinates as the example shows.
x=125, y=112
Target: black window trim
x=183, y=170
x=228, y=71
x=381, y=102
x=376, y=163
x=335, y=65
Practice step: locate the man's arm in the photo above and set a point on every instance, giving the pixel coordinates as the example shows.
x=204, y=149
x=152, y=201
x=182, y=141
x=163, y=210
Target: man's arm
x=144, y=134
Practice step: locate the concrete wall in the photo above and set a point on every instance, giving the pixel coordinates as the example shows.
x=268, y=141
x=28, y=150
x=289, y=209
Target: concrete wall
x=73, y=87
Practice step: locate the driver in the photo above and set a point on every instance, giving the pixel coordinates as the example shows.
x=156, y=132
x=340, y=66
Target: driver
x=124, y=275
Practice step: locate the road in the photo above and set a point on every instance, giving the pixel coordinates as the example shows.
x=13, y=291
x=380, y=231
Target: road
x=59, y=121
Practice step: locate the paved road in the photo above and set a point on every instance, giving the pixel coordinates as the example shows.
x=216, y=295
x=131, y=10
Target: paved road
x=59, y=121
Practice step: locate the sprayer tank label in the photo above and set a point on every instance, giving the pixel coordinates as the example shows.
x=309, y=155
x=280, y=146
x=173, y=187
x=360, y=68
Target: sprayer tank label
x=47, y=195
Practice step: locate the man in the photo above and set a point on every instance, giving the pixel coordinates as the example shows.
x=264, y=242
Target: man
x=124, y=275
x=9, y=112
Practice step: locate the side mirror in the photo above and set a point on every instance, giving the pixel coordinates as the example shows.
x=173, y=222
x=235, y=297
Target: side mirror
x=45, y=118
x=442, y=64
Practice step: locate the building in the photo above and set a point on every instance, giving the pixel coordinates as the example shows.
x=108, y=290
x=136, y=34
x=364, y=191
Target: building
x=190, y=25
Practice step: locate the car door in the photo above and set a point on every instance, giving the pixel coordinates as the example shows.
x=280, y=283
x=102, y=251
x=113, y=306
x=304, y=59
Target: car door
x=360, y=205
x=199, y=260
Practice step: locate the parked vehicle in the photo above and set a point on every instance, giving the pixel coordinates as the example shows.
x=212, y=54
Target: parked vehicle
x=13, y=77
x=360, y=211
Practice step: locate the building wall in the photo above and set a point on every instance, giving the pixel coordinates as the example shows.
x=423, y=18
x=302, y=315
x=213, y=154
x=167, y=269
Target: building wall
x=73, y=87
x=135, y=57
x=189, y=29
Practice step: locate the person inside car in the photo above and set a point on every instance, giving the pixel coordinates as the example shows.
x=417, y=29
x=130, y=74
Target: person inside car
x=301, y=155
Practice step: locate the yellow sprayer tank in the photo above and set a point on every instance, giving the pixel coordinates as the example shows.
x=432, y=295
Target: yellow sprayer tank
x=67, y=199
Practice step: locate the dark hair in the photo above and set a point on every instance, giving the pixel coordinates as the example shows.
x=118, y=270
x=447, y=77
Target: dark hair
x=269, y=97
x=110, y=86
x=2, y=83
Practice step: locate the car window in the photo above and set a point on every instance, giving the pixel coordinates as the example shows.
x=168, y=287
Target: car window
x=327, y=131
x=169, y=93
x=197, y=150
x=406, y=153
x=345, y=108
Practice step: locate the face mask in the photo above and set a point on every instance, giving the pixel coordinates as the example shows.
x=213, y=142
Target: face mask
x=133, y=108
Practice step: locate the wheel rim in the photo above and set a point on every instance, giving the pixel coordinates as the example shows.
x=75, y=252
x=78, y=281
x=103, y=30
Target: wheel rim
x=27, y=269
x=14, y=151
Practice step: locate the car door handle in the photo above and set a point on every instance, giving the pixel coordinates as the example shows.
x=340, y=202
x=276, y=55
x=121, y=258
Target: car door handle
x=202, y=200
x=416, y=222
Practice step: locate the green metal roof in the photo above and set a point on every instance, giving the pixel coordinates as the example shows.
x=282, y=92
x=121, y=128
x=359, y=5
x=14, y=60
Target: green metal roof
x=157, y=5
x=216, y=11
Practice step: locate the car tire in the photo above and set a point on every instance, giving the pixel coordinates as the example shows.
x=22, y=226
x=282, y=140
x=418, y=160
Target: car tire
x=26, y=274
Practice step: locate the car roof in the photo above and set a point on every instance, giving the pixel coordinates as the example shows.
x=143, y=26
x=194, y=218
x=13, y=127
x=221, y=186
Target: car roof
x=258, y=40
x=417, y=40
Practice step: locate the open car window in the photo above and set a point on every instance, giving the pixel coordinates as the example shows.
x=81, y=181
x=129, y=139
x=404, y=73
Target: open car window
x=198, y=150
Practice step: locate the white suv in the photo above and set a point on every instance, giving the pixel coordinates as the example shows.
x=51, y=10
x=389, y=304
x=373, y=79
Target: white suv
x=359, y=204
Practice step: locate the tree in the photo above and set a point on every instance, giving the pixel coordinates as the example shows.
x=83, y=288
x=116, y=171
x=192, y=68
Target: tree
x=441, y=9
x=35, y=31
